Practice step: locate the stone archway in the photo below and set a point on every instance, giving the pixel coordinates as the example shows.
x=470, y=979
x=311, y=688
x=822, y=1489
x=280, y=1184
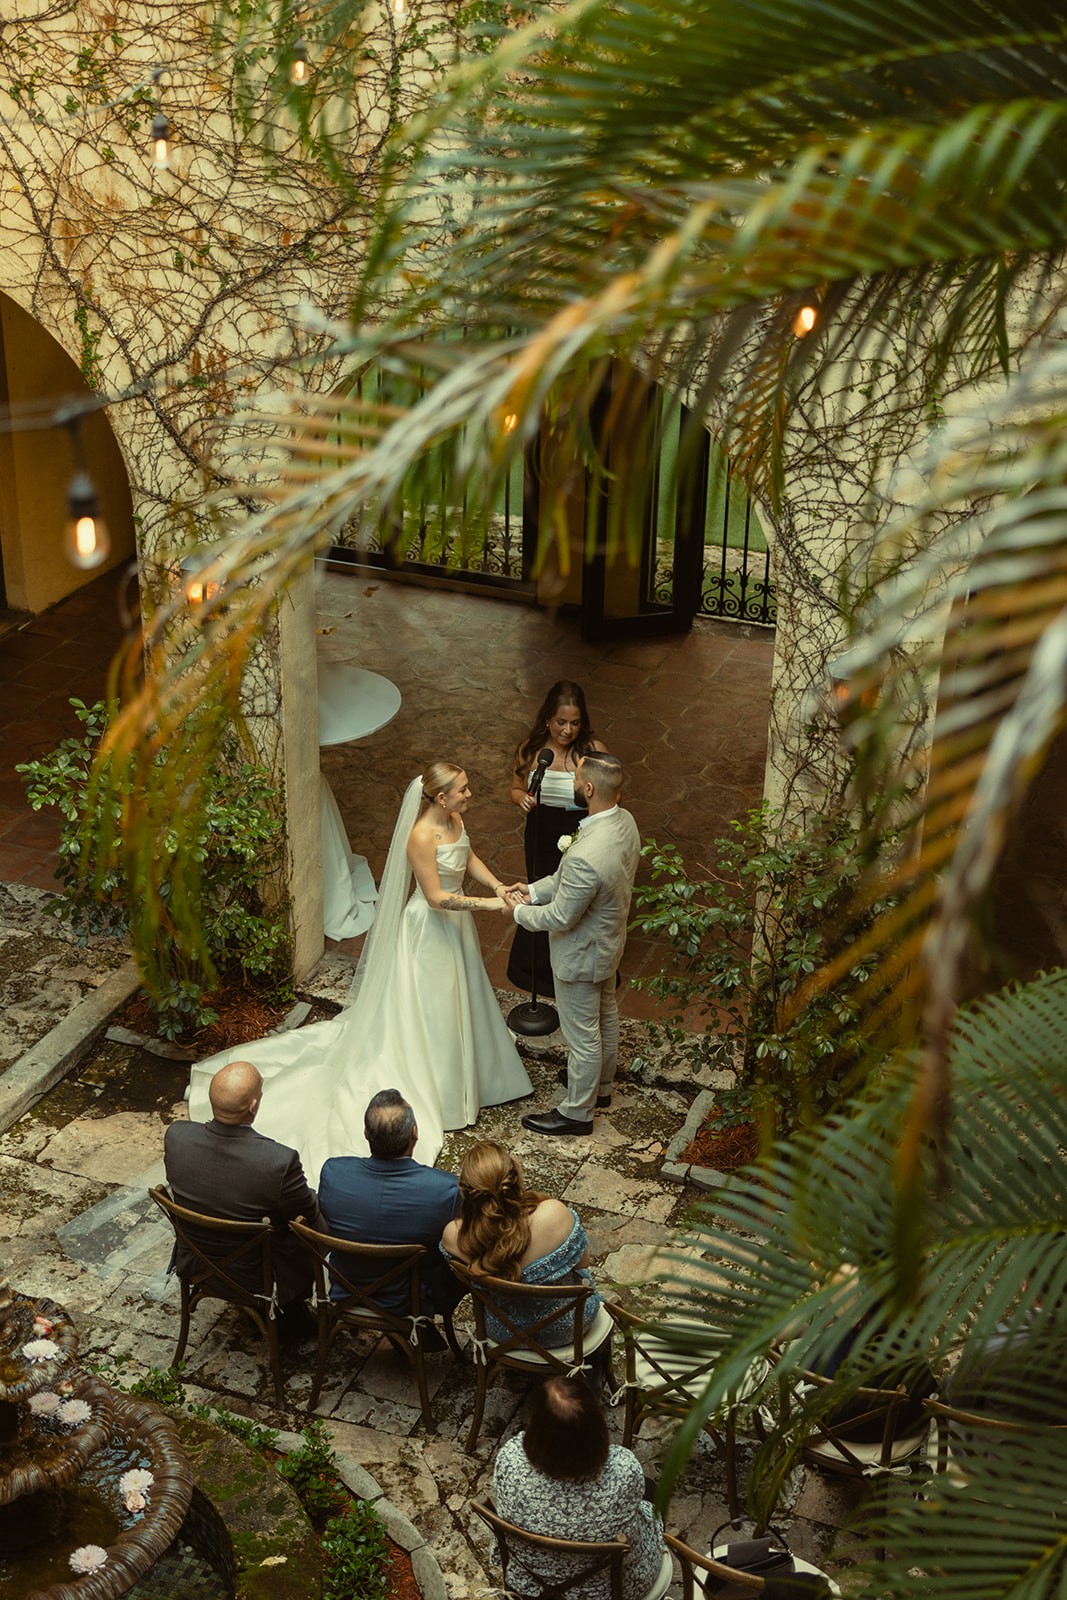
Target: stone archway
x=36, y=466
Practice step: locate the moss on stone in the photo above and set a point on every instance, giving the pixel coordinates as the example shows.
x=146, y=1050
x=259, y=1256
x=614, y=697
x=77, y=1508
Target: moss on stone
x=265, y=1519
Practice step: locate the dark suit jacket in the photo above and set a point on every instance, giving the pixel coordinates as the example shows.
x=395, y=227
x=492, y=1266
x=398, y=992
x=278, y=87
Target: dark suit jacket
x=241, y=1175
x=394, y=1202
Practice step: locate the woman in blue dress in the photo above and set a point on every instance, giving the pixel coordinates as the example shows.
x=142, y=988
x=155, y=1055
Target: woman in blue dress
x=508, y=1231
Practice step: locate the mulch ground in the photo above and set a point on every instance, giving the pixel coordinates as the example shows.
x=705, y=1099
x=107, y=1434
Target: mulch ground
x=723, y=1149
x=244, y=1015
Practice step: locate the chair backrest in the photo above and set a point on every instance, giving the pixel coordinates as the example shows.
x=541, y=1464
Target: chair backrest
x=837, y=1440
x=589, y=1558
x=218, y=1248
x=390, y=1266
x=668, y=1362
x=563, y=1314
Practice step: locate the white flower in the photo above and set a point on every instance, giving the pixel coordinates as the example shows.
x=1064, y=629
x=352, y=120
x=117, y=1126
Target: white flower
x=71, y=1412
x=135, y=1501
x=43, y=1405
x=136, y=1481
x=66, y=1387
x=40, y=1350
x=564, y=842
x=274, y=1561
x=88, y=1558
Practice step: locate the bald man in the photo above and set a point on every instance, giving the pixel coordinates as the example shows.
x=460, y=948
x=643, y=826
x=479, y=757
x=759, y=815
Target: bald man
x=224, y=1168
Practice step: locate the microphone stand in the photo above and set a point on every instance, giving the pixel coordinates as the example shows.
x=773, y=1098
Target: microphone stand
x=534, y=1017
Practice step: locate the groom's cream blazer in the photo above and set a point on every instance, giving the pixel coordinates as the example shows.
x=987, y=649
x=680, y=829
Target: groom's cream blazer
x=585, y=905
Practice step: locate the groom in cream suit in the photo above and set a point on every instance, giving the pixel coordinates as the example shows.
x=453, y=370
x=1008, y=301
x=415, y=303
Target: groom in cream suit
x=584, y=908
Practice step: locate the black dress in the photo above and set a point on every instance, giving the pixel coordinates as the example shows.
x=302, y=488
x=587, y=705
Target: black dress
x=550, y=822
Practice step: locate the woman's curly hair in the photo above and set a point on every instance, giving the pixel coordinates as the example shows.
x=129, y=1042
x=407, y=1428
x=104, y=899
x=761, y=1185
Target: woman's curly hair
x=494, y=1222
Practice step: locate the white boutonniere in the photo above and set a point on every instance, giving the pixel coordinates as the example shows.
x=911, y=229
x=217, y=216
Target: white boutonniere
x=564, y=843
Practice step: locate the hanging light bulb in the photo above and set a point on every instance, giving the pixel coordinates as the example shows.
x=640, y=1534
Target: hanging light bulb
x=160, y=140
x=804, y=321
x=87, y=538
x=398, y=8
x=299, y=66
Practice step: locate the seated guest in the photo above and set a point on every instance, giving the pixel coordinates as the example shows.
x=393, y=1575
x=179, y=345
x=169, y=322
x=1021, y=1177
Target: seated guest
x=224, y=1168
x=562, y=1478
x=507, y=1231
x=390, y=1198
x=853, y=1419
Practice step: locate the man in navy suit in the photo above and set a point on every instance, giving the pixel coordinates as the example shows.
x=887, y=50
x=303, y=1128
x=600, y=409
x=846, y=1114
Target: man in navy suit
x=389, y=1198
x=224, y=1168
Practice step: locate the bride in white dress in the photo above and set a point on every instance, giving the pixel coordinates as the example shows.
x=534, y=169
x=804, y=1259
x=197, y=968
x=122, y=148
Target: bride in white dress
x=421, y=1016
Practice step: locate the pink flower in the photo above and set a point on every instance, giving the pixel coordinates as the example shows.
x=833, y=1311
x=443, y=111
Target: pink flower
x=88, y=1558
x=40, y=1350
x=44, y=1405
x=135, y=1501
x=66, y=1387
x=71, y=1412
x=41, y=1325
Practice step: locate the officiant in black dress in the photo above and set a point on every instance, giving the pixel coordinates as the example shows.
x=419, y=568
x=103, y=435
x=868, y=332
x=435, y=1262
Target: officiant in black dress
x=545, y=763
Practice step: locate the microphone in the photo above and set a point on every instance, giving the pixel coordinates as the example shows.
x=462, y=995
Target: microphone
x=544, y=761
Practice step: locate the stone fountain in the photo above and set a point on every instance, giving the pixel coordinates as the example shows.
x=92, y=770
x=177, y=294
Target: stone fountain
x=94, y=1486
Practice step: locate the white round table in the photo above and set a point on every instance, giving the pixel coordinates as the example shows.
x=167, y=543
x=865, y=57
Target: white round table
x=352, y=703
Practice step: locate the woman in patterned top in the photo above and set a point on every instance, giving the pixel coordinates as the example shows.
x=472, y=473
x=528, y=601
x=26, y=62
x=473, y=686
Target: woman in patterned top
x=508, y=1231
x=563, y=1478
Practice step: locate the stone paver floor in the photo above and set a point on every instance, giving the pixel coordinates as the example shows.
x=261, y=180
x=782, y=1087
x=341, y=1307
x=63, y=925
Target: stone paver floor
x=78, y=1227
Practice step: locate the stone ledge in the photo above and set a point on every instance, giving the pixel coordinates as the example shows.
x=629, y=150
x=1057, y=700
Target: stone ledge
x=40, y=1069
x=401, y=1530
x=674, y=1170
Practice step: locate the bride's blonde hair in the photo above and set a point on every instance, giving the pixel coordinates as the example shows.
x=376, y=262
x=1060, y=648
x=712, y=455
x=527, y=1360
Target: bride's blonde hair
x=494, y=1223
x=438, y=777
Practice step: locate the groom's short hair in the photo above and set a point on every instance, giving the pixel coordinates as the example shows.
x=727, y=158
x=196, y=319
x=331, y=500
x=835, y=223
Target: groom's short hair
x=388, y=1123
x=604, y=772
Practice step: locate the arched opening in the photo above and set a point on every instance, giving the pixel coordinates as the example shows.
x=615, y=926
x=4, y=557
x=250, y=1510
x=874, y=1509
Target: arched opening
x=36, y=466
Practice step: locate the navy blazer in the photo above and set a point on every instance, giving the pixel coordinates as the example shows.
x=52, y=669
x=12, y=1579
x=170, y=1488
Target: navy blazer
x=393, y=1202
x=233, y=1172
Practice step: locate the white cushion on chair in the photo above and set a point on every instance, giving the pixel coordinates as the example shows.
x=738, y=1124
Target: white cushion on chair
x=677, y=1363
x=719, y=1554
x=869, y=1455
x=664, y=1578
x=599, y=1330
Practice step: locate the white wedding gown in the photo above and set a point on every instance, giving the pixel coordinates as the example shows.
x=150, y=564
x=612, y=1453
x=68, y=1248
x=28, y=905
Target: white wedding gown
x=435, y=1032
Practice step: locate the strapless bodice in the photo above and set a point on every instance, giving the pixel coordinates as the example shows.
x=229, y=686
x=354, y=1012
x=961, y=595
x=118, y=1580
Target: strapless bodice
x=451, y=864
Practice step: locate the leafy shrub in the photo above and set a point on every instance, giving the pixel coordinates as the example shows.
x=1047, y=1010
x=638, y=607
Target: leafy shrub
x=356, y=1549
x=311, y=1470
x=241, y=844
x=742, y=944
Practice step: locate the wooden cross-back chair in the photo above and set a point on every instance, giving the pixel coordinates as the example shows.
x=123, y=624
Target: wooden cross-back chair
x=524, y=1349
x=591, y=1558
x=359, y=1307
x=668, y=1362
x=219, y=1248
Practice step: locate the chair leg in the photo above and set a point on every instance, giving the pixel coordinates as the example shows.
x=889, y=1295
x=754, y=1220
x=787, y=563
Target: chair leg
x=271, y=1332
x=424, y=1392
x=450, y=1334
x=183, y=1329
x=482, y=1375
x=320, y=1362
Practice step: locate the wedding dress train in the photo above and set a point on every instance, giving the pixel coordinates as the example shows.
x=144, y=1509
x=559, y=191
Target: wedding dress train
x=430, y=1027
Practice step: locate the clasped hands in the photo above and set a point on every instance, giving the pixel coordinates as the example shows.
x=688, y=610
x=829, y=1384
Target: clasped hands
x=514, y=894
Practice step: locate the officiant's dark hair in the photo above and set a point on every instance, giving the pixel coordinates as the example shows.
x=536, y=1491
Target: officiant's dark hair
x=388, y=1123
x=564, y=692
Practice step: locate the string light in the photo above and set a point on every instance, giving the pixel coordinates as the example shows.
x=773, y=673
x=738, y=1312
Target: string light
x=511, y=422
x=160, y=140
x=804, y=321
x=398, y=8
x=299, y=66
x=87, y=539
